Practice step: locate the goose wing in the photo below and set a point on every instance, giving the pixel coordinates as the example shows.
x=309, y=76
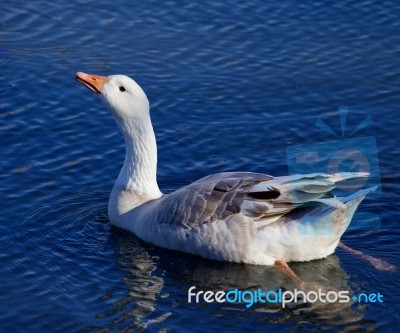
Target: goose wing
x=262, y=198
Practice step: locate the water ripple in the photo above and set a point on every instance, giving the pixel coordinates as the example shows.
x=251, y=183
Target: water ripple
x=231, y=86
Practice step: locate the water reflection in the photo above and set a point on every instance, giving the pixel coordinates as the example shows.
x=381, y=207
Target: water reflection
x=151, y=271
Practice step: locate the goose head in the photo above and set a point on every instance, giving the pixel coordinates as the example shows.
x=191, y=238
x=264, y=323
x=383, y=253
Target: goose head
x=123, y=96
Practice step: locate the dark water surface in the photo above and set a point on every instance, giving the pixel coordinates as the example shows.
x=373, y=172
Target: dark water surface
x=232, y=87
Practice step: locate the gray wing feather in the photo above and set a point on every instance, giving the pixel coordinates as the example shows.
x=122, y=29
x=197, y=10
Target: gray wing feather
x=209, y=199
x=262, y=198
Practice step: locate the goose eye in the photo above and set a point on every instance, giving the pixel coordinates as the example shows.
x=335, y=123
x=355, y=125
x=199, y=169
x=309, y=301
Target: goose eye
x=122, y=88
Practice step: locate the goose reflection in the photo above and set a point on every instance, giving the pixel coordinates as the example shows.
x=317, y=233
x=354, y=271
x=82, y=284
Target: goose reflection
x=158, y=280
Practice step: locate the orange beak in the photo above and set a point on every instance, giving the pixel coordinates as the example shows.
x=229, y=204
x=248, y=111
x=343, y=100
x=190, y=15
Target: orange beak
x=94, y=83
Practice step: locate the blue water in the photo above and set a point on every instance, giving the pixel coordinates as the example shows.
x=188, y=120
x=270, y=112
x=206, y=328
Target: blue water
x=232, y=87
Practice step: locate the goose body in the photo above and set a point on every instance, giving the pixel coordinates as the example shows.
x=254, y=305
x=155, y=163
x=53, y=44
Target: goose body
x=232, y=216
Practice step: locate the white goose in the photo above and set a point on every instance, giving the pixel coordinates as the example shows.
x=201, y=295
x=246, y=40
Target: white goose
x=232, y=216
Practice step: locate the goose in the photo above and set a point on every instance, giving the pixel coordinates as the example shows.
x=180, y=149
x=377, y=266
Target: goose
x=242, y=217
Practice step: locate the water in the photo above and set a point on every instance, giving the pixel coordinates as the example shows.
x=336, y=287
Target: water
x=231, y=86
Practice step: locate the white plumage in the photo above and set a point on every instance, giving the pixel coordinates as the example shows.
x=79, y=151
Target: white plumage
x=233, y=216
